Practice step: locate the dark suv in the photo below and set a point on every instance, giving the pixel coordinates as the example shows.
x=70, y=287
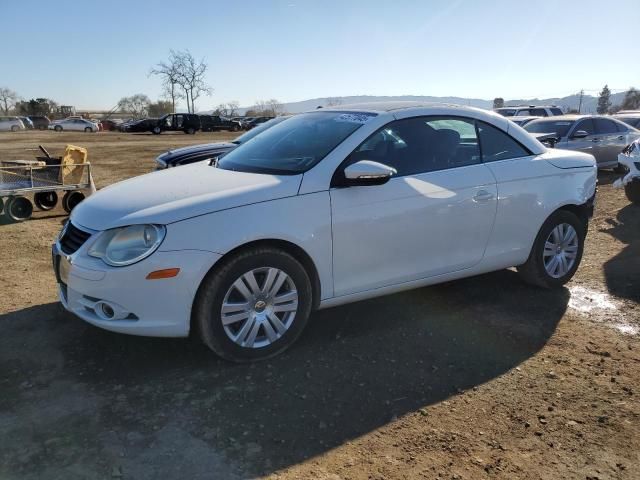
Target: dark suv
x=178, y=122
x=40, y=122
x=212, y=123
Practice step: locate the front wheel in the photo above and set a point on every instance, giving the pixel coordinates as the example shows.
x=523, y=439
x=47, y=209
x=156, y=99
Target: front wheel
x=254, y=306
x=556, y=252
x=632, y=191
x=190, y=131
x=57, y=128
x=14, y=128
x=156, y=130
x=88, y=130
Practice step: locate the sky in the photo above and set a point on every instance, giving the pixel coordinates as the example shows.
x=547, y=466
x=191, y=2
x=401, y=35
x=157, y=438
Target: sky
x=91, y=53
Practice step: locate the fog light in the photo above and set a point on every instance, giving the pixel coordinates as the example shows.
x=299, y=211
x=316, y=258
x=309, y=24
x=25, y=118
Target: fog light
x=107, y=310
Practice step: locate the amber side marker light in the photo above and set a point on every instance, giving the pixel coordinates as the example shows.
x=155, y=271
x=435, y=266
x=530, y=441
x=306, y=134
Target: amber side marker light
x=166, y=273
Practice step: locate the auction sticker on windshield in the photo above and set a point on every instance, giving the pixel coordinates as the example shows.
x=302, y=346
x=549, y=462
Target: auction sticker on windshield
x=354, y=117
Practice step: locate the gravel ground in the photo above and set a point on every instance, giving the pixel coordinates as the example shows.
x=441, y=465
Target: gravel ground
x=479, y=378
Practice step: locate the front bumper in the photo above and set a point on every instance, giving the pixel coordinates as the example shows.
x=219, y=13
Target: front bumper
x=158, y=308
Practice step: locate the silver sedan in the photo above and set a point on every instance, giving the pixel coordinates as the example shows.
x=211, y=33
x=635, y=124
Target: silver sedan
x=601, y=136
x=73, y=124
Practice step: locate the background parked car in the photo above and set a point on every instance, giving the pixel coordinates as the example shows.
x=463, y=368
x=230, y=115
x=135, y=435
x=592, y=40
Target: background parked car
x=40, y=122
x=135, y=126
x=73, y=124
x=110, y=125
x=257, y=121
x=178, y=122
x=213, y=123
x=529, y=111
x=12, y=124
x=632, y=119
x=522, y=121
x=603, y=137
x=28, y=124
x=198, y=153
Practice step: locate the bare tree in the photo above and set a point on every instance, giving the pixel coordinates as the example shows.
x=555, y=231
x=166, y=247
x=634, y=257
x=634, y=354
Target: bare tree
x=275, y=107
x=137, y=105
x=169, y=72
x=8, y=99
x=334, y=101
x=221, y=110
x=232, y=108
x=191, y=77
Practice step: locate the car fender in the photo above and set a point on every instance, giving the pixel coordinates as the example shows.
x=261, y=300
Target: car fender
x=303, y=220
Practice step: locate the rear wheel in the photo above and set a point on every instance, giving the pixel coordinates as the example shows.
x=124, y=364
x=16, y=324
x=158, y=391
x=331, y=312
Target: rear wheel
x=156, y=130
x=57, y=128
x=71, y=200
x=632, y=190
x=254, y=306
x=190, y=131
x=18, y=209
x=556, y=252
x=622, y=169
x=88, y=130
x=14, y=128
x=45, y=200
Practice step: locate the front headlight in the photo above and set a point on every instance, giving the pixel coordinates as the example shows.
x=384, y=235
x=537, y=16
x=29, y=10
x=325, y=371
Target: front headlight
x=126, y=245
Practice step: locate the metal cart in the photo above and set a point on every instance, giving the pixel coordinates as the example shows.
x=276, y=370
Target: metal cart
x=43, y=178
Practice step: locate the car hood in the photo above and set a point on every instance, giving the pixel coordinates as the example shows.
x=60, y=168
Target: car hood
x=175, y=194
x=568, y=158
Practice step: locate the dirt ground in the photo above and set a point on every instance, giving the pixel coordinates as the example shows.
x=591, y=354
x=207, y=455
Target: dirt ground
x=479, y=378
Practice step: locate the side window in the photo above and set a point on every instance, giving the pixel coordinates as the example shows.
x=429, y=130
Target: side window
x=587, y=126
x=605, y=126
x=523, y=113
x=538, y=112
x=556, y=111
x=498, y=145
x=621, y=127
x=179, y=120
x=421, y=144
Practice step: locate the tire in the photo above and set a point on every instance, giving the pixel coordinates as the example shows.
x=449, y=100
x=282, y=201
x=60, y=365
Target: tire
x=1, y=206
x=45, y=200
x=632, y=191
x=18, y=209
x=71, y=200
x=535, y=271
x=14, y=128
x=88, y=130
x=57, y=128
x=621, y=169
x=218, y=287
x=156, y=130
x=190, y=131
x=235, y=128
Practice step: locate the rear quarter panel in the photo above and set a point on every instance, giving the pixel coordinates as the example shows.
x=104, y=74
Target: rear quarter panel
x=529, y=190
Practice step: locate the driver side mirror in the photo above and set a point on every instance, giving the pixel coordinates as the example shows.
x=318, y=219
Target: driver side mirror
x=580, y=134
x=368, y=172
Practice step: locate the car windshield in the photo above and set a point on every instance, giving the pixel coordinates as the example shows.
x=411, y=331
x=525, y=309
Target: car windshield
x=558, y=127
x=245, y=137
x=295, y=145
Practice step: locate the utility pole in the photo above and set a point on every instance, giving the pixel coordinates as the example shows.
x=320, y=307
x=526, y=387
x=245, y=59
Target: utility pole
x=580, y=104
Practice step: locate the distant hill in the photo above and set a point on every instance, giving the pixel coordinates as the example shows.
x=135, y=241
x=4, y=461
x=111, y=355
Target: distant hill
x=589, y=103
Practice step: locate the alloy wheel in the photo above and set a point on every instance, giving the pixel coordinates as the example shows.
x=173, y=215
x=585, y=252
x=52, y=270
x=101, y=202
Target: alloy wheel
x=560, y=250
x=259, y=307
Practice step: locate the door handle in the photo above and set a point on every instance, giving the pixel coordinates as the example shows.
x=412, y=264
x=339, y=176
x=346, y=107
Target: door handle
x=483, y=196
x=595, y=140
x=621, y=137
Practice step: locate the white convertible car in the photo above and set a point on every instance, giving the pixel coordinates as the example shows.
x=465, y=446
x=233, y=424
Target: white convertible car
x=328, y=207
